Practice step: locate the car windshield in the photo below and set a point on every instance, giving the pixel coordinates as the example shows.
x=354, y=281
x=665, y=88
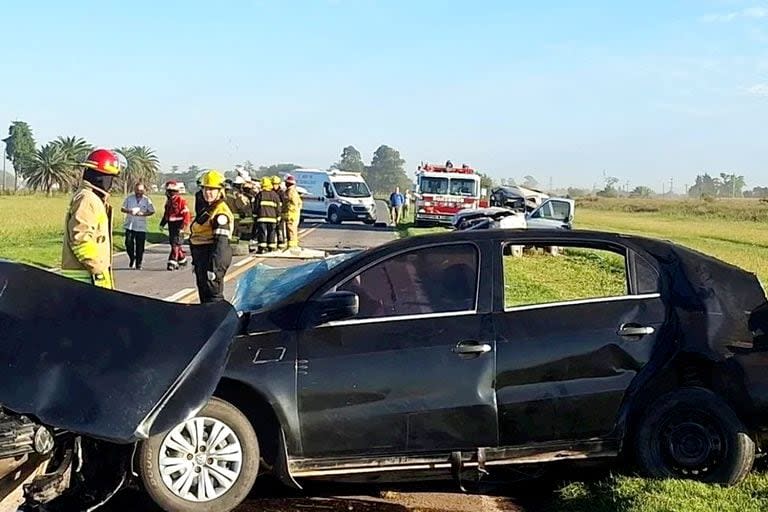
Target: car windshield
x=463, y=187
x=352, y=189
x=263, y=286
x=434, y=185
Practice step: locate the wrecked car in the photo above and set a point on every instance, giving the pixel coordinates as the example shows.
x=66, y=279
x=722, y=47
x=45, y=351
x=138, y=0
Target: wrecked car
x=442, y=356
x=555, y=213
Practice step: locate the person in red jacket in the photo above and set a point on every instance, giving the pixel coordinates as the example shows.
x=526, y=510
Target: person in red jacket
x=178, y=219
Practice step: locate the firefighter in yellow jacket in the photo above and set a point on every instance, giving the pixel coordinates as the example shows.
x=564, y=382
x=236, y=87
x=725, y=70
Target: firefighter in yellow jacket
x=292, y=212
x=87, y=251
x=209, y=241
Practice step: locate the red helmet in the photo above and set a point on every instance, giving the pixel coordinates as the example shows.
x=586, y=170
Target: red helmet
x=172, y=185
x=103, y=161
x=290, y=180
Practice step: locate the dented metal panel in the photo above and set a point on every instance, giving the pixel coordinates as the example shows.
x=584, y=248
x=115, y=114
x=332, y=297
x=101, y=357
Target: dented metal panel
x=110, y=365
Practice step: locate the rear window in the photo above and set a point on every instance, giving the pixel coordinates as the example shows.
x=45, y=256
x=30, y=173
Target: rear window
x=541, y=275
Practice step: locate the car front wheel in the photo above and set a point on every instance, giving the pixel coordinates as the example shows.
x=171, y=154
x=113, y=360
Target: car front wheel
x=208, y=463
x=692, y=433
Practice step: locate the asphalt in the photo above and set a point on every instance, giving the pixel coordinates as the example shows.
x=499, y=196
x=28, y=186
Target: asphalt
x=154, y=280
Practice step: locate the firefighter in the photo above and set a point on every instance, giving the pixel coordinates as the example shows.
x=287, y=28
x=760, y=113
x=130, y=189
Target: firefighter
x=87, y=252
x=266, y=211
x=177, y=217
x=209, y=241
x=282, y=234
x=292, y=212
x=199, y=201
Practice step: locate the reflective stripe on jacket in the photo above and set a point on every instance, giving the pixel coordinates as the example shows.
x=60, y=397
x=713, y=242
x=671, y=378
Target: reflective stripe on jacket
x=216, y=220
x=267, y=206
x=87, y=250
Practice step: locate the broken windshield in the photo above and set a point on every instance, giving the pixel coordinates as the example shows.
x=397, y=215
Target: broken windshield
x=263, y=286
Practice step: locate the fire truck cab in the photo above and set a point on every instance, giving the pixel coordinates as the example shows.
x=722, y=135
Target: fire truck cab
x=444, y=190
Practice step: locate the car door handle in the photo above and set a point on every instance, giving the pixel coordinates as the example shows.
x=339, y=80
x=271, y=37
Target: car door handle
x=472, y=348
x=635, y=330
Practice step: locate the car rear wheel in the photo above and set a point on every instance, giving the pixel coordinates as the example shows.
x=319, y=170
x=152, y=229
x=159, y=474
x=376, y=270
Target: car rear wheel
x=692, y=433
x=208, y=463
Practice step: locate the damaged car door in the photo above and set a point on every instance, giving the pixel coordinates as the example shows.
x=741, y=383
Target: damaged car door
x=413, y=370
x=573, y=330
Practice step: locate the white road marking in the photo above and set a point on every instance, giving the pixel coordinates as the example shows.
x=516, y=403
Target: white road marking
x=244, y=261
x=178, y=295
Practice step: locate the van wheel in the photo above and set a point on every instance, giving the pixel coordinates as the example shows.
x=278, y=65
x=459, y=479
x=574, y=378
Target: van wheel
x=692, y=433
x=334, y=217
x=208, y=463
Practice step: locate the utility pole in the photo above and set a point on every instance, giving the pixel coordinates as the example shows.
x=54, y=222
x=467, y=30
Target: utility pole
x=671, y=186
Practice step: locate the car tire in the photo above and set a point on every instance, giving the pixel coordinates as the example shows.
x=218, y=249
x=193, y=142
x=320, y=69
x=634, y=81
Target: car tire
x=370, y=222
x=334, y=217
x=692, y=433
x=238, y=442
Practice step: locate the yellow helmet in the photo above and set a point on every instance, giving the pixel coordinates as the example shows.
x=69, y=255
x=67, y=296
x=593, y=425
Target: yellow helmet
x=212, y=179
x=266, y=183
x=275, y=180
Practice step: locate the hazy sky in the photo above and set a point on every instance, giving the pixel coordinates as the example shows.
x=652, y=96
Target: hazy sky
x=644, y=91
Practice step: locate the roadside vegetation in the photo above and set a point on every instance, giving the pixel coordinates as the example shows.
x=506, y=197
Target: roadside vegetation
x=34, y=229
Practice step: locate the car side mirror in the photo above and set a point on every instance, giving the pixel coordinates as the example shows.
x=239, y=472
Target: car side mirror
x=334, y=306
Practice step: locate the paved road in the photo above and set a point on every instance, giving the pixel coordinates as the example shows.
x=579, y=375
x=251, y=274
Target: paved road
x=153, y=280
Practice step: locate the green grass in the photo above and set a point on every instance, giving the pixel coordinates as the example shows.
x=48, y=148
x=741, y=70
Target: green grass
x=537, y=278
x=34, y=227
x=632, y=494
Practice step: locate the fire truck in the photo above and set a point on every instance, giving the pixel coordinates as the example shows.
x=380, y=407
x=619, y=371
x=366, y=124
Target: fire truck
x=444, y=190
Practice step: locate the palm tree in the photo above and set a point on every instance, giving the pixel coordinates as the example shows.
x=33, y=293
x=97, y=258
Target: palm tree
x=49, y=167
x=76, y=150
x=143, y=166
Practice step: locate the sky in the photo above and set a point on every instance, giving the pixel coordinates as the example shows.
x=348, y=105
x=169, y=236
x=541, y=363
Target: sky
x=560, y=90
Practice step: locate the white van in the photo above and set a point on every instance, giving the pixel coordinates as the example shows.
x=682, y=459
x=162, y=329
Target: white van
x=335, y=196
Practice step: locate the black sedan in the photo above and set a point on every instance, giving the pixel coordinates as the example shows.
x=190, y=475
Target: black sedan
x=449, y=355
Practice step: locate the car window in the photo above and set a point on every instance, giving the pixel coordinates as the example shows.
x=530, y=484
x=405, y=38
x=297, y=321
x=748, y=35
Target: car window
x=560, y=210
x=438, y=279
x=540, y=275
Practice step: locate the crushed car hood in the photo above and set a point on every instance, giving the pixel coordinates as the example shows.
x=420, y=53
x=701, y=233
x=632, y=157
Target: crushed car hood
x=109, y=365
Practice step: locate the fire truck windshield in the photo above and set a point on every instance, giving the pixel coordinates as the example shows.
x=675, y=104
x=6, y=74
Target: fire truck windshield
x=463, y=187
x=430, y=185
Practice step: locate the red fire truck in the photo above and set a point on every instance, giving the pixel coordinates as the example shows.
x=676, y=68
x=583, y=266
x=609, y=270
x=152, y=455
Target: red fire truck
x=443, y=190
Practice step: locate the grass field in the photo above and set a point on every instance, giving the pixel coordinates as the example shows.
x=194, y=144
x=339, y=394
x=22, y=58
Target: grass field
x=34, y=227
x=734, y=231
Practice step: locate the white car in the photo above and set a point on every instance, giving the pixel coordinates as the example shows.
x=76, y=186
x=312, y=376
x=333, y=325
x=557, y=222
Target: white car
x=336, y=196
x=554, y=213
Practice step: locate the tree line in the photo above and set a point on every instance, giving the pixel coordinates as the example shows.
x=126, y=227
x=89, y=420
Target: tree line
x=57, y=164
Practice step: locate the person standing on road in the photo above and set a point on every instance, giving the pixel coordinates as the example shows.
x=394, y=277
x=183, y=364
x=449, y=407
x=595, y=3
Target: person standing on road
x=406, y=204
x=137, y=208
x=396, y=205
x=266, y=211
x=211, y=232
x=282, y=233
x=87, y=252
x=177, y=217
x=199, y=200
x=292, y=212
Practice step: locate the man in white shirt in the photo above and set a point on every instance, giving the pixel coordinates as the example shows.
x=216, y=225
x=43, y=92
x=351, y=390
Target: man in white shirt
x=137, y=208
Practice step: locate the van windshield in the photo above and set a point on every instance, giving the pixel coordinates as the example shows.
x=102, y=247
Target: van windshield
x=351, y=189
